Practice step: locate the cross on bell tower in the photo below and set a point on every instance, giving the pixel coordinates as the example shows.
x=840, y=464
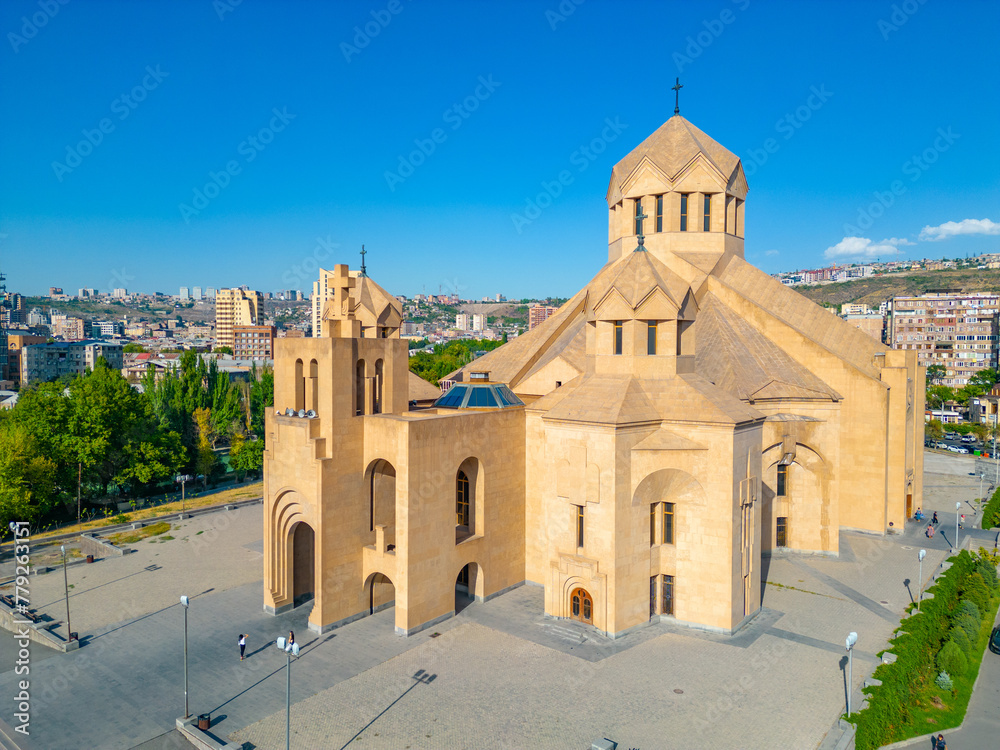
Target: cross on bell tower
x=639, y=235
x=364, y=272
x=676, y=88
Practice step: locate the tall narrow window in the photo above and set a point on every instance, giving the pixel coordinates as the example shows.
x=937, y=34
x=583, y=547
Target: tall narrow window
x=579, y=526
x=618, y=337
x=782, y=489
x=638, y=212
x=684, y=212
x=781, y=537
x=668, y=523
x=359, y=388
x=652, y=524
x=652, y=594
x=651, y=337
x=659, y=213
x=708, y=213
x=462, y=499
x=667, y=598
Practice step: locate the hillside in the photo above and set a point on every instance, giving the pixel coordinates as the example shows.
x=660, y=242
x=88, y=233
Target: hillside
x=876, y=289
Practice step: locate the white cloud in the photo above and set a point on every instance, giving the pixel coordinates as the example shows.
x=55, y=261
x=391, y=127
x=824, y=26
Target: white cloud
x=862, y=247
x=955, y=228
x=771, y=252
x=898, y=242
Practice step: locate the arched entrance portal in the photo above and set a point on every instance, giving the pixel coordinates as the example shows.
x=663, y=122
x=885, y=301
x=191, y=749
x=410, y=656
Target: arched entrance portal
x=467, y=586
x=303, y=563
x=581, y=606
x=379, y=593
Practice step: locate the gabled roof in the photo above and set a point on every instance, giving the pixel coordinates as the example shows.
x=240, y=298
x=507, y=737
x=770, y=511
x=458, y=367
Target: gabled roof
x=737, y=358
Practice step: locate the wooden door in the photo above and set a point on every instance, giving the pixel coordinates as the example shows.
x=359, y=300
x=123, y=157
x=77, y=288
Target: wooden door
x=581, y=606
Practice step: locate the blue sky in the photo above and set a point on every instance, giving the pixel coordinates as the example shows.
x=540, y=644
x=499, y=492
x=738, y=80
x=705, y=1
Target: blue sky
x=425, y=130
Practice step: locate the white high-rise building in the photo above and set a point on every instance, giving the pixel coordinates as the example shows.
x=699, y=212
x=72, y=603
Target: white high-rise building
x=184, y=294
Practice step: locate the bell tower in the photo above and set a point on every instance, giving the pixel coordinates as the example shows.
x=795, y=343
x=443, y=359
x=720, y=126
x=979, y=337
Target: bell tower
x=683, y=192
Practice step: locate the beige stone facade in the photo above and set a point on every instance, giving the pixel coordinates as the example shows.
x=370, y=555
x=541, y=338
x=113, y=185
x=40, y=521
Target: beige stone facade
x=679, y=418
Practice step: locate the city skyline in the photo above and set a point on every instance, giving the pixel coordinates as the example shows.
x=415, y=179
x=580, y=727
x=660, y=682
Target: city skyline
x=277, y=139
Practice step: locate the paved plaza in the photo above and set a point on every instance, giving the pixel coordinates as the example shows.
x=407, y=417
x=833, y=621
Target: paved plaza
x=506, y=676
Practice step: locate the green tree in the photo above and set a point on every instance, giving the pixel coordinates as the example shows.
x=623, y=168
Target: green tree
x=937, y=395
x=935, y=374
x=223, y=350
x=27, y=486
x=934, y=429
x=133, y=348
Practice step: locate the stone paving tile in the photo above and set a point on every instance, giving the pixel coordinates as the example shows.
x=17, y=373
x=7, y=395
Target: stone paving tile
x=208, y=552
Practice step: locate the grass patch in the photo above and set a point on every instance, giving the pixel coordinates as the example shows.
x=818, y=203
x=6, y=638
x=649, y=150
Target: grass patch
x=166, y=538
x=243, y=492
x=136, y=535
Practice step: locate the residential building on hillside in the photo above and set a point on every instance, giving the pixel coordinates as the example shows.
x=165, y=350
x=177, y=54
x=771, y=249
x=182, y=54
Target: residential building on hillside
x=67, y=328
x=854, y=308
x=537, y=314
x=235, y=307
x=253, y=342
x=44, y=362
x=984, y=409
x=12, y=310
x=955, y=330
x=462, y=322
x=107, y=328
x=478, y=322
x=15, y=343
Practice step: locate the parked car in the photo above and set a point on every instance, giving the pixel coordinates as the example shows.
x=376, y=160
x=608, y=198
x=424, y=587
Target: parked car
x=995, y=640
x=951, y=435
x=968, y=438
x=941, y=446
x=963, y=450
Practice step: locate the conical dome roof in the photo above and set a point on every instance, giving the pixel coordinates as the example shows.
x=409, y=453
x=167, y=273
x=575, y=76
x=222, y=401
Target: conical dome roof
x=671, y=148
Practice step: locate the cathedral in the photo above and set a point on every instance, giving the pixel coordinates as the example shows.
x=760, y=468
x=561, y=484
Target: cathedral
x=636, y=455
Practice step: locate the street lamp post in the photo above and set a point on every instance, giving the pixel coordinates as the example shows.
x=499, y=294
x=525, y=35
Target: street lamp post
x=920, y=576
x=69, y=624
x=290, y=651
x=852, y=638
x=184, y=604
x=958, y=507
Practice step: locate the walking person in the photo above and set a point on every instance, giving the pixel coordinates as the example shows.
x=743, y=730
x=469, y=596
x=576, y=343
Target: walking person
x=934, y=520
x=939, y=743
x=961, y=523
x=930, y=531
x=291, y=640
x=243, y=645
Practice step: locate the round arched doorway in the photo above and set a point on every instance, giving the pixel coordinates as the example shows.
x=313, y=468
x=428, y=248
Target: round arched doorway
x=581, y=606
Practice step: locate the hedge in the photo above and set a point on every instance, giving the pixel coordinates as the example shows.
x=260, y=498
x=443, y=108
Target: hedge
x=991, y=513
x=915, y=643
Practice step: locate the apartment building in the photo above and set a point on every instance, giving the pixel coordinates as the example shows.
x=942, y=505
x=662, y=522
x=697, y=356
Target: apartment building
x=253, y=342
x=538, y=314
x=70, y=329
x=235, y=307
x=955, y=330
x=44, y=362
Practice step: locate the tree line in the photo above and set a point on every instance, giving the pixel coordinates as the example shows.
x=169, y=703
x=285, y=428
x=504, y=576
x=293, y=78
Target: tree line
x=100, y=437
x=446, y=358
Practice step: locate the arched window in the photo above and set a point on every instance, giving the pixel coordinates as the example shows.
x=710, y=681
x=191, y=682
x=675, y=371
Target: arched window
x=462, y=499
x=300, y=386
x=359, y=387
x=313, y=390
x=377, y=407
